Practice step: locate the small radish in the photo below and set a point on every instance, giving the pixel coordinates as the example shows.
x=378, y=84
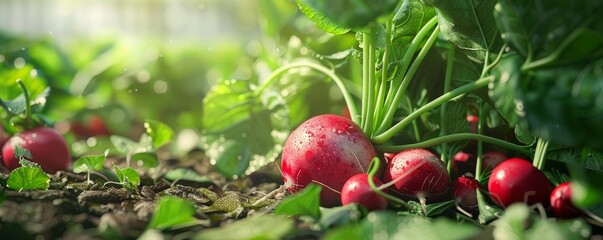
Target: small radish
x=493, y=159
x=561, y=202
x=464, y=191
x=326, y=149
x=461, y=156
x=473, y=121
x=517, y=180
x=357, y=190
x=417, y=173
x=47, y=148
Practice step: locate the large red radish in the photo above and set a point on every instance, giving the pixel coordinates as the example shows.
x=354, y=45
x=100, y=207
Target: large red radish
x=328, y=150
x=417, y=173
x=517, y=180
x=47, y=148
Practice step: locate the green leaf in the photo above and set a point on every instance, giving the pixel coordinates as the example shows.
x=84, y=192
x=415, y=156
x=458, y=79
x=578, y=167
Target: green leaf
x=89, y=163
x=264, y=226
x=576, y=26
x=469, y=25
x=171, y=212
x=352, y=14
x=559, y=230
x=388, y=225
x=242, y=131
x=487, y=212
x=320, y=20
x=127, y=146
x=159, y=132
x=185, y=174
x=305, y=202
x=28, y=178
x=11, y=96
x=22, y=153
x=146, y=160
x=128, y=177
x=502, y=88
x=523, y=135
x=337, y=216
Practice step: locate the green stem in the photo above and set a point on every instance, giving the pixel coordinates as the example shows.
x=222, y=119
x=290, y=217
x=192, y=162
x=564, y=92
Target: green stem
x=415, y=126
x=330, y=73
x=443, y=113
x=456, y=137
x=368, y=129
x=385, y=136
x=542, y=146
x=380, y=105
x=398, y=87
x=366, y=42
x=373, y=168
x=27, y=103
x=480, y=144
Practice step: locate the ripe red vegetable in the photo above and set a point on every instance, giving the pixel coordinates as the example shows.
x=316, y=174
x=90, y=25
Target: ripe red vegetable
x=326, y=149
x=357, y=190
x=561, y=202
x=493, y=159
x=47, y=148
x=517, y=180
x=91, y=126
x=418, y=173
x=464, y=190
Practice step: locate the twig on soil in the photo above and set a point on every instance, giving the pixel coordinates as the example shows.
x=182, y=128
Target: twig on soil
x=265, y=198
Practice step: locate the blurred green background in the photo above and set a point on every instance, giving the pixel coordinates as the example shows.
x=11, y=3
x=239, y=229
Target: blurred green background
x=124, y=61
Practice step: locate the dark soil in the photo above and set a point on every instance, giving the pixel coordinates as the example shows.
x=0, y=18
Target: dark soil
x=72, y=208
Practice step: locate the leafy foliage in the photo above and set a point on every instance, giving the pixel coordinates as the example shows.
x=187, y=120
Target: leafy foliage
x=320, y=20
x=88, y=163
x=254, y=227
x=243, y=132
x=128, y=177
x=351, y=14
x=171, y=212
x=28, y=178
x=555, y=89
x=305, y=202
x=159, y=132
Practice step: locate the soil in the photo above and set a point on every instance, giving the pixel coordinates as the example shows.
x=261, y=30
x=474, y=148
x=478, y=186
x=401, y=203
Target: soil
x=73, y=208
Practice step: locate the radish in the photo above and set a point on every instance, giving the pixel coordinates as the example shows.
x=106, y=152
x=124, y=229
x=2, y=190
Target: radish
x=417, y=173
x=561, y=202
x=464, y=191
x=47, y=148
x=357, y=190
x=517, y=180
x=493, y=159
x=326, y=149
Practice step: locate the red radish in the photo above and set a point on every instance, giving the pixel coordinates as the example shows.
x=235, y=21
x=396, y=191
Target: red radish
x=47, y=148
x=561, y=202
x=464, y=190
x=91, y=126
x=326, y=149
x=388, y=156
x=357, y=190
x=493, y=159
x=461, y=156
x=517, y=180
x=418, y=173
x=473, y=121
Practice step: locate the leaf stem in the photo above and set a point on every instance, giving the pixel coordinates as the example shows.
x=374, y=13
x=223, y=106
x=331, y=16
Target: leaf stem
x=456, y=137
x=373, y=168
x=370, y=108
x=385, y=136
x=443, y=113
x=398, y=87
x=480, y=143
x=27, y=103
x=542, y=146
x=317, y=67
